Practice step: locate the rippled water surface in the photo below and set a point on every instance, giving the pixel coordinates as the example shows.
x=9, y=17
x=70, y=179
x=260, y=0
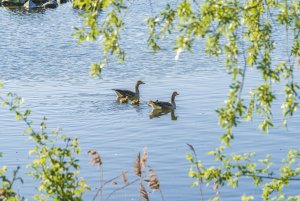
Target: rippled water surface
x=41, y=61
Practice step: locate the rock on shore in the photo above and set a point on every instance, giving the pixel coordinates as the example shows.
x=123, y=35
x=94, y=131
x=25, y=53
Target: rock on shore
x=32, y=4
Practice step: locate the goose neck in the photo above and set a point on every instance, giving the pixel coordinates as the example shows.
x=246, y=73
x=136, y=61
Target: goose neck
x=173, y=101
x=137, y=89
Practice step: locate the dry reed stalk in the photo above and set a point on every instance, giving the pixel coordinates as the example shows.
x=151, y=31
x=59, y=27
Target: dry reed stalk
x=96, y=159
x=121, y=188
x=144, y=193
x=92, y=152
x=124, y=178
x=144, y=157
x=153, y=182
x=111, y=181
x=137, y=165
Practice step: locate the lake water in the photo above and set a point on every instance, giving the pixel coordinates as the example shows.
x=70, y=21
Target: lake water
x=41, y=61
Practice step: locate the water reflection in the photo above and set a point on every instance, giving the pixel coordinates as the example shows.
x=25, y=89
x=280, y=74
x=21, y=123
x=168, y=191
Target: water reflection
x=158, y=113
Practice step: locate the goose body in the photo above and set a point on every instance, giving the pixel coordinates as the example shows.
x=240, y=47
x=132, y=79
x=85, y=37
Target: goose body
x=124, y=93
x=121, y=94
x=161, y=105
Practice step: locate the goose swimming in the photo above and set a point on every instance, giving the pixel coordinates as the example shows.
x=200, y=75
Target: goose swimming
x=127, y=94
x=160, y=105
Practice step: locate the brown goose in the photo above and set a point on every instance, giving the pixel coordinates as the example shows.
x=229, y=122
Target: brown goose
x=121, y=94
x=160, y=105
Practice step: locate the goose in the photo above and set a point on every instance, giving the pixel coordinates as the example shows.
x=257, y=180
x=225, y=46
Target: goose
x=160, y=105
x=126, y=94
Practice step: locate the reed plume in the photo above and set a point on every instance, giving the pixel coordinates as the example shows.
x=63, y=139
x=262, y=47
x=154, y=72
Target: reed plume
x=153, y=182
x=138, y=166
x=144, y=158
x=96, y=159
x=124, y=178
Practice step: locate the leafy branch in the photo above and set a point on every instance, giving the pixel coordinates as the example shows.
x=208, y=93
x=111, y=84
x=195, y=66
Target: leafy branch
x=55, y=164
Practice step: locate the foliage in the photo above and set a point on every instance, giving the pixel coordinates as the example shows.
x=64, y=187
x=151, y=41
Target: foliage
x=242, y=32
x=55, y=164
x=6, y=189
x=6, y=185
x=109, y=30
x=236, y=166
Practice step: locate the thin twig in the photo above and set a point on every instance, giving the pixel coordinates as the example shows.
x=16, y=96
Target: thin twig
x=107, y=182
x=270, y=177
x=269, y=14
x=118, y=189
x=161, y=194
x=198, y=169
x=245, y=67
x=101, y=183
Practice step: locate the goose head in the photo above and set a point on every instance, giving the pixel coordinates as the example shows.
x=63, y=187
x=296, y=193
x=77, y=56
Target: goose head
x=175, y=93
x=139, y=82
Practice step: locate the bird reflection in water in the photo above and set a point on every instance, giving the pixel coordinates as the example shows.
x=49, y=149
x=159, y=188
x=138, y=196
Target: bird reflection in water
x=158, y=113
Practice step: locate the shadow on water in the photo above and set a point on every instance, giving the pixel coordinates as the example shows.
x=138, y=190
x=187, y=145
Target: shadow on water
x=158, y=113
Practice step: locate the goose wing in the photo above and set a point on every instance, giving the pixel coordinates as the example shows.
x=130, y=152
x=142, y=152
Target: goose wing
x=163, y=104
x=123, y=93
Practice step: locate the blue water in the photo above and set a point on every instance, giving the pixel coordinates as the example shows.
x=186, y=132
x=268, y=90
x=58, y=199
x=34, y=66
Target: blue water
x=41, y=61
